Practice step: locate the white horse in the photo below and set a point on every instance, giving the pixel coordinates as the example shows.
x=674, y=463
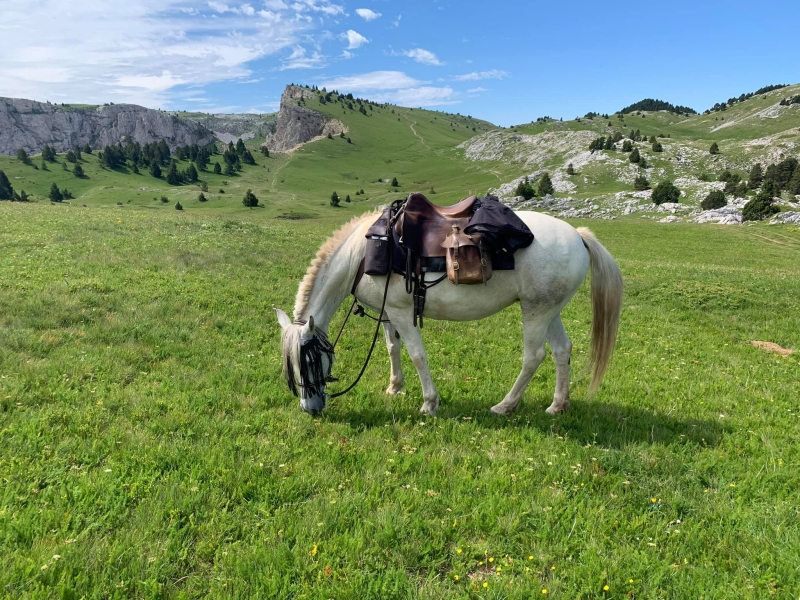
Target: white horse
x=546, y=276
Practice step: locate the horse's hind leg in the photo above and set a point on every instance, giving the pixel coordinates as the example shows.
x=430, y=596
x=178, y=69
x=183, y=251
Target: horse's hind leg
x=561, y=346
x=394, y=345
x=535, y=330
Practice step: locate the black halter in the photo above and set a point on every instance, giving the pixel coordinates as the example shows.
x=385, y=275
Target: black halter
x=312, y=370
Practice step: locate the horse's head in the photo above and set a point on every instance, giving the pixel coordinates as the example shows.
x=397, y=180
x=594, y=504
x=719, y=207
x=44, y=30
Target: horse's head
x=307, y=361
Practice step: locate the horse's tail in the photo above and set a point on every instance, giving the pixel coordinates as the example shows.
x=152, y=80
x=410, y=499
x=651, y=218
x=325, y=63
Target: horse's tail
x=606, y=306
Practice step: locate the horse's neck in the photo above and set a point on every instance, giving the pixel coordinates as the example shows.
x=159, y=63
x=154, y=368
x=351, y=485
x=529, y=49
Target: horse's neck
x=333, y=282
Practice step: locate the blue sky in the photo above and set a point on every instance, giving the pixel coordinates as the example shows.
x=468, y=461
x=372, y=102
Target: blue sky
x=503, y=61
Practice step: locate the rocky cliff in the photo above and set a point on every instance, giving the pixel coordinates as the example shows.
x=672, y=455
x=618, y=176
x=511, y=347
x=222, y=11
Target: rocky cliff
x=298, y=124
x=30, y=125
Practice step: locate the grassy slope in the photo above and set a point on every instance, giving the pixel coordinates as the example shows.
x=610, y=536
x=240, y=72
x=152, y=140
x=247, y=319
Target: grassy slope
x=150, y=448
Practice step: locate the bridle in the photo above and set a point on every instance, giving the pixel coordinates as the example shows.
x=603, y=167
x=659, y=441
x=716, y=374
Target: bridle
x=312, y=370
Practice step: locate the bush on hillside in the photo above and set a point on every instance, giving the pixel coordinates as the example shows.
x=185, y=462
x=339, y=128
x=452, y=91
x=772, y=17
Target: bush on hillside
x=545, y=186
x=666, y=192
x=201, y=197
x=250, y=199
x=525, y=189
x=23, y=156
x=335, y=199
x=657, y=147
x=756, y=177
x=217, y=169
x=394, y=182
x=78, y=171
x=715, y=199
x=178, y=206
x=635, y=157
x=760, y=207
x=714, y=149
x=55, y=194
x=570, y=169
x=627, y=146
x=641, y=183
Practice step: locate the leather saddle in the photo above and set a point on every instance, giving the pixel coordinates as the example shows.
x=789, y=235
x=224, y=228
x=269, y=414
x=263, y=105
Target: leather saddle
x=424, y=225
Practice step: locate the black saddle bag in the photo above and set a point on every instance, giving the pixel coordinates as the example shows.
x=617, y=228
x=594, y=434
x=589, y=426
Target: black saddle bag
x=379, y=245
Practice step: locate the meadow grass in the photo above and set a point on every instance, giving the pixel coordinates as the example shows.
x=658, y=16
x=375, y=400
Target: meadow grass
x=150, y=448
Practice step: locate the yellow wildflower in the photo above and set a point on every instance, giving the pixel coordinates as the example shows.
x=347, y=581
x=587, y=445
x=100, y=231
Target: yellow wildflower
x=455, y=577
x=544, y=591
x=491, y=559
x=314, y=550
x=458, y=551
x=605, y=588
x=485, y=584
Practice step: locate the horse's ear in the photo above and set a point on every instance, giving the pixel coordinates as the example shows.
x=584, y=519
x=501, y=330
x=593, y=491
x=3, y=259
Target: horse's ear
x=283, y=318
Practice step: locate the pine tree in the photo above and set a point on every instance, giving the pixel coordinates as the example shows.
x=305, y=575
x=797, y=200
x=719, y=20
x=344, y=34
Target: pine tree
x=178, y=206
x=635, y=157
x=201, y=197
x=394, y=182
x=155, y=170
x=87, y=149
x=759, y=207
x=23, y=197
x=135, y=168
x=6, y=191
x=78, y=170
x=250, y=199
x=525, y=189
x=715, y=199
x=217, y=169
x=55, y=194
x=794, y=183
x=641, y=183
x=172, y=174
x=545, y=185
x=229, y=170
x=23, y=156
x=570, y=169
x=756, y=177
x=334, y=199
x=714, y=149
x=657, y=147
x=265, y=151
x=666, y=192
x=627, y=146
x=191, y=173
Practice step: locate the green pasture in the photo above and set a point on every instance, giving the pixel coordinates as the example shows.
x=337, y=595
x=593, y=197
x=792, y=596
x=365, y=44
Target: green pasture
x=150, y=449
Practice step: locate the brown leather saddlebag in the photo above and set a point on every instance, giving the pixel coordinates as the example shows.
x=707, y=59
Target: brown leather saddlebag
x=467, y=261
x=379, y=245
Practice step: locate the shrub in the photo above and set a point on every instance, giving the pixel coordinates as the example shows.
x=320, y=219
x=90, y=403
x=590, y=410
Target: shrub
x=641, y=183
x=525, y=189
x=635, y=157
x=221, y=191
x=201, y=197
x=87, y=149
x=250, y=199
x=217, y=169
x=55, y=194
x=759, y=207
x=394, y=182
x=657, y=147
x=78, y=170
x=164, y=200
x=756, y=176
x=715, y=199
x=178, y=206
x=704, y=177
x=347, y=198
x=627, y=146
x=545, y=185
x=666, y=192
x=714, y=149
x=334, y=199
x=570, y=169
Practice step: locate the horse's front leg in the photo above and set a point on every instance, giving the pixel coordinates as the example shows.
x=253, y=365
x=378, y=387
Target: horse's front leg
x=416, y=350
x=394, y=345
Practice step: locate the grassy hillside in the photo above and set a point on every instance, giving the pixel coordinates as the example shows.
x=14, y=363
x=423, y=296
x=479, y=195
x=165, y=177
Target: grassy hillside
x=150, y=449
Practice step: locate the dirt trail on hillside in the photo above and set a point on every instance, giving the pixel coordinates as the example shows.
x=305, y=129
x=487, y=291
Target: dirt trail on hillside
x=414, y=131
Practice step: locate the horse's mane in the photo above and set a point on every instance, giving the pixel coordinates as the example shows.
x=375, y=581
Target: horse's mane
x=324, y=255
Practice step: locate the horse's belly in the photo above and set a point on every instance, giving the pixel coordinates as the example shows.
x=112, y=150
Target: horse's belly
x=470, y=302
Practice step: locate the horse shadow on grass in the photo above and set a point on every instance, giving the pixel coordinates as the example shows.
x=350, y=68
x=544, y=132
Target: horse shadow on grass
x=586, y=422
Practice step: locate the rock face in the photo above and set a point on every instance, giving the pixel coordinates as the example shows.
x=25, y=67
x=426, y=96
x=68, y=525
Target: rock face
x=30, y=125
x=297, y=124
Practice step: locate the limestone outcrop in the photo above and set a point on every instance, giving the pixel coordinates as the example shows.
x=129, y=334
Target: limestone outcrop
x=298, y=124
x=31, y=125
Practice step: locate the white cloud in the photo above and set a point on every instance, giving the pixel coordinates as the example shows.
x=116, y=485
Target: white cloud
x=423, y=56
x=139, y=51
x=323, y=6
x=299, y=60
x=367, y=14
x=395, y=87
x=478, y=75
x=377, y=80
x=354, y=39
x=396, y=22
x=346, y=54
x=477, y=90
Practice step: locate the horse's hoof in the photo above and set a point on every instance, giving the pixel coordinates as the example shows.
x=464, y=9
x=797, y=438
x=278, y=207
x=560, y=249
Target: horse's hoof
x=502, y=409
x=429, y=408
x=555, y=409
x=395, y=388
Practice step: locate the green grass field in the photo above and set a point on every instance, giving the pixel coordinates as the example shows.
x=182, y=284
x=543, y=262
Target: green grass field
x=150, y=448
